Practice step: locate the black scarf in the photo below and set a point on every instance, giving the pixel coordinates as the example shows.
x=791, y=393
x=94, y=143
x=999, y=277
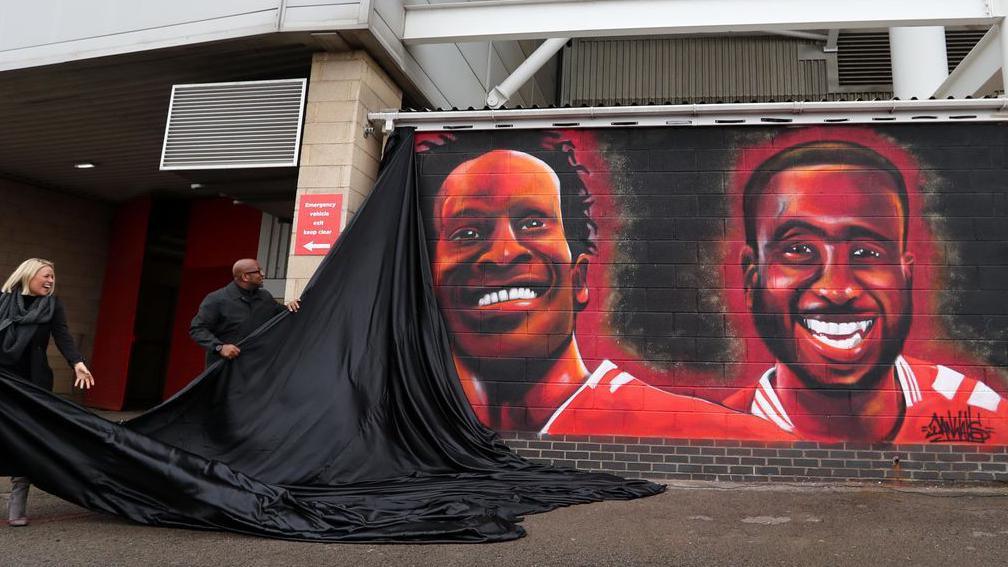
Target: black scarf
x=18, y=323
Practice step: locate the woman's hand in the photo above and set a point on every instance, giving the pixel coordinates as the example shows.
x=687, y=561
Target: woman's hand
x=84, y=378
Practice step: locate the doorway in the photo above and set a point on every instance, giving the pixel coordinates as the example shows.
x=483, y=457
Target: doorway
x=159, y=286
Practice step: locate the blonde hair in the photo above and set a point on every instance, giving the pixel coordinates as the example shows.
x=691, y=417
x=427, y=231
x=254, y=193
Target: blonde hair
x=24, y=273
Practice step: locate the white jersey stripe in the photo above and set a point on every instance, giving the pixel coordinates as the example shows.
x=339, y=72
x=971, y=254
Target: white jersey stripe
x=591, y=382
x=764, y=405
x=908, y=382
x=947, y=382
x=772, y=396
x=984, y=397
x=912, y=378
x=619, y=380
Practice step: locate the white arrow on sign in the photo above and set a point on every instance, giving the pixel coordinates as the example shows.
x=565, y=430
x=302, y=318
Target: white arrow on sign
x=317, y=246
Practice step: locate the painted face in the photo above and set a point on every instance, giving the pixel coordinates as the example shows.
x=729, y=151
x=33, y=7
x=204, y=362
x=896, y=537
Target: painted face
x=503, y=271
x=42, y=282
x=830, y=282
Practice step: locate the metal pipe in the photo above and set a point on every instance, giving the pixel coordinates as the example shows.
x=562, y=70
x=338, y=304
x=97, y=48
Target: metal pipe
x=919, y=60
x=502, y=92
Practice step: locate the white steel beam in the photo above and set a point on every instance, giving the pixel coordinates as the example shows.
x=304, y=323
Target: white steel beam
x=919, y=60
x=979, y=73
x=759, y=114
x=540, y=19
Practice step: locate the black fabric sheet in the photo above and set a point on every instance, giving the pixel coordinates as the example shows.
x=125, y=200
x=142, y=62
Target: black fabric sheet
x=343, y=422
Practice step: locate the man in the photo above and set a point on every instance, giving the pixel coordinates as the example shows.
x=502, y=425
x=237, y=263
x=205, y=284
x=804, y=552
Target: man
x=229, y=314
x=828, y=278
x=512, y=245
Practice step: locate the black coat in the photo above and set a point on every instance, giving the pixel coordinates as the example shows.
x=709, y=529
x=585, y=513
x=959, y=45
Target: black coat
x=228, y=315
x=34, y=363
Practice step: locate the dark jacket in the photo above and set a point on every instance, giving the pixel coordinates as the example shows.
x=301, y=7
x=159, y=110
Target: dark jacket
x=228, y=315
x=34, y=363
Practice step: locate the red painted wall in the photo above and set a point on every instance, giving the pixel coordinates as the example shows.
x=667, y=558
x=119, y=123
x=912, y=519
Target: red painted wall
x=859, y=299
x=220, y=232
x=117, y=313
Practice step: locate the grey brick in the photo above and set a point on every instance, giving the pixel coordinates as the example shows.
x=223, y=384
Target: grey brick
x=677, y=458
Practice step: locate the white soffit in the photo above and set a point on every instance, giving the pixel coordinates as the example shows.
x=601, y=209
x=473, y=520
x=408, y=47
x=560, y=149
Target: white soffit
x=539, y=19
x=234, y=125
x=750, y=114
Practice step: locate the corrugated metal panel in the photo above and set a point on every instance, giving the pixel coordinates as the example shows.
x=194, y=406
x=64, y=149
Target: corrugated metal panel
x=234, y=125
x=648, y=71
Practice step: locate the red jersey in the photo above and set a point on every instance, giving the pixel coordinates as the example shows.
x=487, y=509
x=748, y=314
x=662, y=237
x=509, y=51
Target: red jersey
x=940, y=405
x=613, y=402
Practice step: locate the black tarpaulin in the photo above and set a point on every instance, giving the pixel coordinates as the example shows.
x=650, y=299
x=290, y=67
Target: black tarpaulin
x=343, y=422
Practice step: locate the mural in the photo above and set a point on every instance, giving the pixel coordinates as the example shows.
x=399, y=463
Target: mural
x=823, y=284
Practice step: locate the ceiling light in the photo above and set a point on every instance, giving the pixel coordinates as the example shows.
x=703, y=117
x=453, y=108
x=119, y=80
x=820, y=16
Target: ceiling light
x=84, y=165
x=195, y=185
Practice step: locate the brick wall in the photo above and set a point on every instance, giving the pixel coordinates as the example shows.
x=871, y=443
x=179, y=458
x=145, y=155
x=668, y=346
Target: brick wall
x=756, y=461
x=670, y=323
x=71, y=231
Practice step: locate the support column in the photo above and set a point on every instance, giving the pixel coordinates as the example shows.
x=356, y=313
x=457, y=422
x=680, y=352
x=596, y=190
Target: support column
x=919, y=60
x=335, y=155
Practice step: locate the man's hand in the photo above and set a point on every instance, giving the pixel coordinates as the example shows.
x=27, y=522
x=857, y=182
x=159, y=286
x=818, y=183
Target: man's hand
x=229, y=351
x=84, y=378
x=294, y=305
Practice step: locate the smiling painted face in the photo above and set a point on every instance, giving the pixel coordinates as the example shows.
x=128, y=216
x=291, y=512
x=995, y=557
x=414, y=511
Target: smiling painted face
x=829, y=284
x=504, y=274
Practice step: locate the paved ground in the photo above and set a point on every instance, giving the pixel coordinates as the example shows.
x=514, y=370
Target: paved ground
x=691, y=524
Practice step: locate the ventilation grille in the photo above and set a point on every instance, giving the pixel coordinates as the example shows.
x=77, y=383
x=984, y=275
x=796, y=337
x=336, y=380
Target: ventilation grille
x=664, y=70
x=234, y=125
x=863, y=59
x=959, y=43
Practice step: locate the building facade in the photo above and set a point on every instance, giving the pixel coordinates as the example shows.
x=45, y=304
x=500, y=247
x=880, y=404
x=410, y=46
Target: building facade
x=663, y=109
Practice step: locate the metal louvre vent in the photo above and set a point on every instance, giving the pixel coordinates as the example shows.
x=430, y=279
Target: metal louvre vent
x=707, y=69
x=234, y=125
x=863, y=58
x=958, y=43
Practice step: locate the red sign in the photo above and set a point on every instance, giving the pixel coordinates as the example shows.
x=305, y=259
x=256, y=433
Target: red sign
x=318, y=224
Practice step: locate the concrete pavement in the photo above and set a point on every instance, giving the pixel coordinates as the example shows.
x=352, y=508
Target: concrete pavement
x=691, y=524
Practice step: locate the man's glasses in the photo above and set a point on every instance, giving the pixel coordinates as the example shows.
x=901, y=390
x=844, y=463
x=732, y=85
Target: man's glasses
x=259, y=271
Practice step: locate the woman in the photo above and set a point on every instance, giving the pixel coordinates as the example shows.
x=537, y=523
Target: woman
x=29, y=315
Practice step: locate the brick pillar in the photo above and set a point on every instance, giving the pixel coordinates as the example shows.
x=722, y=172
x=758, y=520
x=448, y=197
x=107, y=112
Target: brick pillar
x=335, y=155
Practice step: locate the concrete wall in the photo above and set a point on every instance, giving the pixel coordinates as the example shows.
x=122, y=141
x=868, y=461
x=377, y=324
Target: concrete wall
x=336, y=157
x=71, y=231
x=856, y=321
